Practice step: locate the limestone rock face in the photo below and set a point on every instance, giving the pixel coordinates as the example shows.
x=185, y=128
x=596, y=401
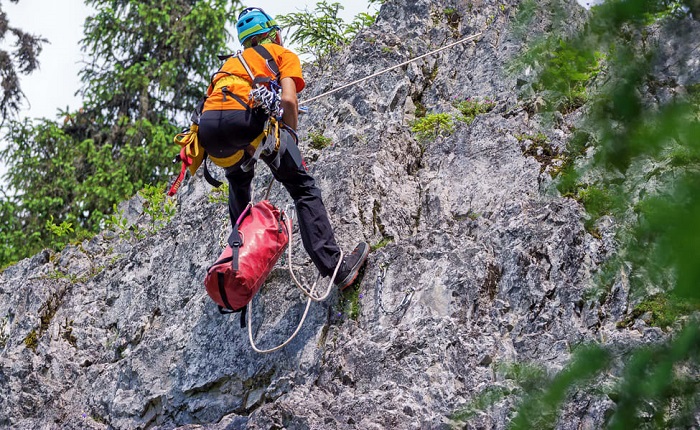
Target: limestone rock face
x=491, y=266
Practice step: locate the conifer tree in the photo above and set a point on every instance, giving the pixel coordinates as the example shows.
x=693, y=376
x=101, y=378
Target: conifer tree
x=23, y=59
x=149, y=64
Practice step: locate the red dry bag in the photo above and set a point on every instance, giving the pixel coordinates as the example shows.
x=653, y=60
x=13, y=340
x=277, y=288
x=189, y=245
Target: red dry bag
x=256, y=243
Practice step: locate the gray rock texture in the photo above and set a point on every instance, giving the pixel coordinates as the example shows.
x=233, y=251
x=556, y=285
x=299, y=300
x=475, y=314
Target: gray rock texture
x=117, y=332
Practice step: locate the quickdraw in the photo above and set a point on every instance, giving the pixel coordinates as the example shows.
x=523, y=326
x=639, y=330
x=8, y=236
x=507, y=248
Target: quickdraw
x=268, y=99
x=380, y=289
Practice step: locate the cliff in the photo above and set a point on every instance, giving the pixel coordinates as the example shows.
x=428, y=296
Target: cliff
x=493, y=267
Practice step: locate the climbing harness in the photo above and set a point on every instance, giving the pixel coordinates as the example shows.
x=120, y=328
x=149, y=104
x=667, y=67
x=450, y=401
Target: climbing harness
x=267, y=97
x=265, y=94
x=335, y=90
x=380, y=289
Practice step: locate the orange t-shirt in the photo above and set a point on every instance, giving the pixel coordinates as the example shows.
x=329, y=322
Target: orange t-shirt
x=287, y=62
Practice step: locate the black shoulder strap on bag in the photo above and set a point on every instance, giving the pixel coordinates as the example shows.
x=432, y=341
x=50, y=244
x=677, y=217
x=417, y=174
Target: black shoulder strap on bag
x=235, y=241
x=222, y=291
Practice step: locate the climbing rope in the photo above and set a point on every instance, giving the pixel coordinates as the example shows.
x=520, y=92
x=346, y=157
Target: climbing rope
x=308, y=292
x=466, y=39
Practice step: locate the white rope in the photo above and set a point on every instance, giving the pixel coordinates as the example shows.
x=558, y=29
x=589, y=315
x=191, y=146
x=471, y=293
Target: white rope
x=278, y=347
x=309, y=294
x=466, y=39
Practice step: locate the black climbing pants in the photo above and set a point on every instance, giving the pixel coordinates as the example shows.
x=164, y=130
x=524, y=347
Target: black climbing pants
x=314, y=225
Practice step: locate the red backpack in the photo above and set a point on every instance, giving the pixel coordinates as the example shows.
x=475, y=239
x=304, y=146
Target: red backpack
x=258, y=240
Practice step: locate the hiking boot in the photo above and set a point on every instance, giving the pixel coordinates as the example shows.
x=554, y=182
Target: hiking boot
x=350, y=267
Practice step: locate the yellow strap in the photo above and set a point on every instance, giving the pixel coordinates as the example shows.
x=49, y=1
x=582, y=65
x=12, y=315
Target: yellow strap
x=277, y=133
x=238, y=155
x=193, y=149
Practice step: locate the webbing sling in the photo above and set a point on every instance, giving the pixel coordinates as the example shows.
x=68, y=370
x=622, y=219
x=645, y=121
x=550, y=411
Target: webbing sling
x=271, y=64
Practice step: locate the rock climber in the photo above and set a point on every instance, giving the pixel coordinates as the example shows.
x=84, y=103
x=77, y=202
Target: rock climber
x=230, y=128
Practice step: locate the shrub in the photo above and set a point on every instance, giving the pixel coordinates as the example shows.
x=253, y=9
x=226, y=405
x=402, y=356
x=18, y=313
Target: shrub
x=433, y=126
x=470, y=108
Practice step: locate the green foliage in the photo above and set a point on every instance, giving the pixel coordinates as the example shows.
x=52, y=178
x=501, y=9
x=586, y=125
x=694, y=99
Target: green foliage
x=538, y=146
x=433, y=126
x=538, y=139
x=663, y=310
x=599, y=201
x=150, y=63
x=158, y=206
x=31, y=341
x=220, y=194
x=318, y=141
x=87, y=180
x=656, y=381
x=161, y=55
x=470, y=108
x=634, y=158
x=540, y=393
x=565, y=67
x=350, y=299
x=23, y=59
x=59, y=232
x=481, y=402
x=659, y=224
x=527, y=376
x=452, y=17
x=117, y=222
x=540, y=405
x=384, y=241
x=322, y=32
